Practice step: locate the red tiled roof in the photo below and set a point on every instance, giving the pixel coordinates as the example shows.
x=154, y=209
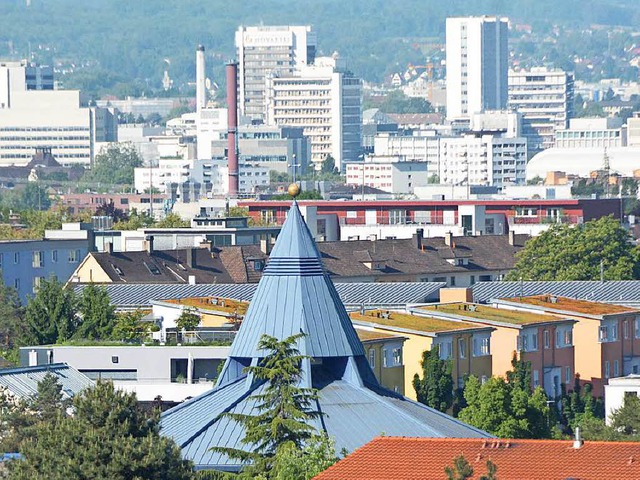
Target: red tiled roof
x=401, y=458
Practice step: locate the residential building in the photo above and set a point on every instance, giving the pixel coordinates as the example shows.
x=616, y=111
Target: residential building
x=356, y=407
x=477, y=65
x=544, y=98
x=546, y=341
x=483, y=159
x=403, y=458
x=167, y=170
x=388, y=173
x=323, y=99
x=26, y=263
x=385, y=354
x=419, y=146
x=594, y=133
x=617, y=390
x=606, y=336
x=77, y=203
x=400, y=218
x=468, y=346
x=172, y=372
x=266, y=50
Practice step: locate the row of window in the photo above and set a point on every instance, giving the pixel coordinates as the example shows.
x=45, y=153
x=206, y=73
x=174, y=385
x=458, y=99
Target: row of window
x=609, y=333
x=37, y=257
x=391, y=357
x=481, y=348
x=528, y=342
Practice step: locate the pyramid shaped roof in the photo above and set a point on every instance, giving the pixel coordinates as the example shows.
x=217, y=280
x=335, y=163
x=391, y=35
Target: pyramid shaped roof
x=296, y=295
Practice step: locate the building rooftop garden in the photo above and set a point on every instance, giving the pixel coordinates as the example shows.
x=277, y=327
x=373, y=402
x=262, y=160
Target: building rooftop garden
x=410, y=322
x=373, y=336
x=571, y=305
x=217, y=304
x=491, y=314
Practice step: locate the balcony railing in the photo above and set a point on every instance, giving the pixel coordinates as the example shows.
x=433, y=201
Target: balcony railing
x=545, y=219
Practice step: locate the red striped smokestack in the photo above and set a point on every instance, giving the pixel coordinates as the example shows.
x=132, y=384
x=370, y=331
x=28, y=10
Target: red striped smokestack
x=232, y=121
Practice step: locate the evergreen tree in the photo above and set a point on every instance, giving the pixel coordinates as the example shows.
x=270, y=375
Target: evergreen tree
x=108, y=437
x=461, y=469
x=98, y=315
x=280, y=425
x=11, y=312
x=626, y=419
x=50, y=314
x=435, y=389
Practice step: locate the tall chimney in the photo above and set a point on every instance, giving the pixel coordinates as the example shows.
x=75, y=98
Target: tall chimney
x=201, y=95
x=232, y=118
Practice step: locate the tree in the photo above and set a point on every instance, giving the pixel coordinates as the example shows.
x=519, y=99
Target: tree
x=626, y=419
x=508, y=408
x=97, y=313
x=188, y=320
x=11, y=312
x=109, y=436
x=435, y=389
x=580, y=252
x=35, y=197
x=172, y=220
x=461, y=469
x=397, y=102
x=110, y=210
x=329, y=165
x=130, y=327
x=115, y=164
x=49, y=400
x=284, y=409
x=50, y=314
x=135, y=221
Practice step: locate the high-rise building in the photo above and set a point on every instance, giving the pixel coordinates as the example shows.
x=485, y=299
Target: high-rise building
x=544, y=98
x=325, y=100
x=265, y=50
x=477, y=65
x=21, y=76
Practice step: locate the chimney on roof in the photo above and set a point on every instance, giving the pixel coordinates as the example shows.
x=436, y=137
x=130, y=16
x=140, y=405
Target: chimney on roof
x=191, y=257
x=150, y=244
x=205, y=244
x=448, y=239
x=578, y=442
x=192, y=279
x=417, y=238
x=512, y=237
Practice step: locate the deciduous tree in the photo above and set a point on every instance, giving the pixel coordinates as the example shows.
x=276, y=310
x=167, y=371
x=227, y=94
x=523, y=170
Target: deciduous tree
x=115, y=164
x=435, y=389
x=50, y=314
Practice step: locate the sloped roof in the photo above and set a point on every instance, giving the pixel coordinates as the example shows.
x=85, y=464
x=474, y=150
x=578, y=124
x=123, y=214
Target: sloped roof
x=23, y=382
x=623, y=292
x=132, y=295
x=296, y=295
x=426, y=458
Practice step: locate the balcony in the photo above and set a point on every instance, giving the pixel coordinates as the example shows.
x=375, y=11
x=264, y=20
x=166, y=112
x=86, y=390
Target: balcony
x=545, y=220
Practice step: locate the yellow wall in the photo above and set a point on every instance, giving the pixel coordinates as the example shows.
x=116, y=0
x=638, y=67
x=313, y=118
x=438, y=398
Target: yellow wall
x=462, y=367
x=588, y=351
x=389, y=377
x=503, y=344
x=213, y=320
x=91, y=271
x=448, y=295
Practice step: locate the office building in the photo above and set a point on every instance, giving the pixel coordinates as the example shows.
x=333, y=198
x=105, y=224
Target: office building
x=387, y=173
x=266, y=50
x=544, y=99
x=22, y=76
x=477, y=65
x=325, y=100
x=594, y=133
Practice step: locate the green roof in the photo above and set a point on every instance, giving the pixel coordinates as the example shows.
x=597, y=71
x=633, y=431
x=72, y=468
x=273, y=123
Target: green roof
x=411, y=322
x=491, y=314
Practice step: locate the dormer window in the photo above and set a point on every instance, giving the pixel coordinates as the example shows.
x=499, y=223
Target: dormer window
x=258, y=265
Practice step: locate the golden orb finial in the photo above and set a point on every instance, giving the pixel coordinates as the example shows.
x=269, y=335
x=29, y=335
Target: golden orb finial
x=293, y=190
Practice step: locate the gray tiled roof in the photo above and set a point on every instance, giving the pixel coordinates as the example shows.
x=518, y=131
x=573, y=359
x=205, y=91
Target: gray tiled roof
x=623, y=292
x=125, y=295
x=23, y=382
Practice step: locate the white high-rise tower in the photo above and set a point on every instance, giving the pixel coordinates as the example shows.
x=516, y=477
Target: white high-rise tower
x=477, y=65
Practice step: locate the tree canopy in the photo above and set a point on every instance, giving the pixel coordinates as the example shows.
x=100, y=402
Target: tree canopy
x=50, y=314
x=435, y=388
x=580, y=252
x=115, y=164
x=97, y=313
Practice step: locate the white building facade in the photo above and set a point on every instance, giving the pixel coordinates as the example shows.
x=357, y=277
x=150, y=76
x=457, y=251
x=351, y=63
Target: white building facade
x=325, y=101
x=597, y=133
x=544, y=98
x=477, y=65
x=389, y=174
x=264, y=50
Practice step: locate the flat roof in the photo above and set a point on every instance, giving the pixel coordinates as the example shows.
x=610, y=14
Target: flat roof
x=491, y=314
x=411, y=322
x=552, y=302
x=372, y=335
x=218, y=304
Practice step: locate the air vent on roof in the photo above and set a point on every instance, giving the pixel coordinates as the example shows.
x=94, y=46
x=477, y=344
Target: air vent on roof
x=553, y=299
x=117, y=270
x=152, y=267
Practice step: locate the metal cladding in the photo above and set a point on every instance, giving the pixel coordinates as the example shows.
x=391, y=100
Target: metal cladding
x=232, y=120
x=201, y=96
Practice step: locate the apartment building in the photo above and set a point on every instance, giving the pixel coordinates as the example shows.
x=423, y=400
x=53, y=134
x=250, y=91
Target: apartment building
x=606, y=337
x=468, y=346
x=389, y=174
x=544, y=98
x=544, y=340
x=325, y=100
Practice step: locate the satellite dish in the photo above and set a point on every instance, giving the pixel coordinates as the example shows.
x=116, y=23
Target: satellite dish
x=207, y=83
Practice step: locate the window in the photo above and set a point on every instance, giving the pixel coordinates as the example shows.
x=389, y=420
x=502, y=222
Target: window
x=16, y=258
x=115, y=359
x=54, y=255
x=473, y=279
x=534, y=342
x=567, y=375
x=397, y=356
x=603, y=336
x=16, y=284
x=444, y=350
x=607, y=369
x=462, y=348
x=546, y=338
x=536, y=378
x=481, y=346
x=37, y=281
x=616, y=368
x=1, y=259
x=614, y=332
x=453, y=281
x=372, y=358
x=625, y=329
x=74, y=256
x=38, y=259
x=637, y=327
x=384, y=358
x=258, y=265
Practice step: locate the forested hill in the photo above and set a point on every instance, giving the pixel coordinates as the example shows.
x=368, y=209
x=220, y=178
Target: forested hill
x=112, y=41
